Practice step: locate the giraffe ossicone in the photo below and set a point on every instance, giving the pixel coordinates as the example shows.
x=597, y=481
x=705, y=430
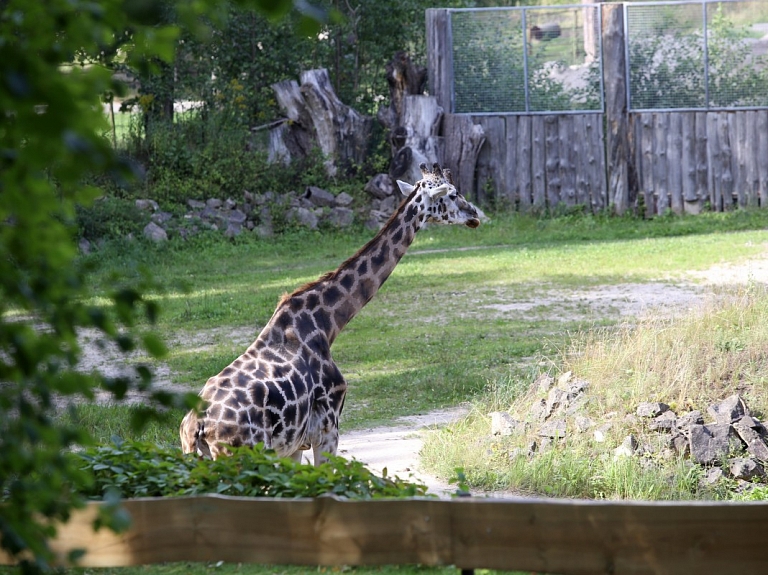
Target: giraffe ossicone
x=285, y=390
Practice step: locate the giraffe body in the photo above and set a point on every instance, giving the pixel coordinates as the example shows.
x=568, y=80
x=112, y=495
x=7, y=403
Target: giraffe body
x=286, y=391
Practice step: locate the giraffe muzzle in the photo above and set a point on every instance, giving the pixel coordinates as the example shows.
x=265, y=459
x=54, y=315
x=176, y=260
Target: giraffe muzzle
x=473, y=223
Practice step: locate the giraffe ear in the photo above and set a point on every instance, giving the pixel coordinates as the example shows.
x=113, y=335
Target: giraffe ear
x=438, y=192
x=405, y=187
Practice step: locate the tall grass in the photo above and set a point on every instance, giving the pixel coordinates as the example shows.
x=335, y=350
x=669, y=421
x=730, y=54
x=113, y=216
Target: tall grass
x=688, y=361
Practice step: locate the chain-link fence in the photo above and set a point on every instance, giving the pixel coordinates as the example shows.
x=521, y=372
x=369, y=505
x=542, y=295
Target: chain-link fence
x=527, y=60
x=702, y=55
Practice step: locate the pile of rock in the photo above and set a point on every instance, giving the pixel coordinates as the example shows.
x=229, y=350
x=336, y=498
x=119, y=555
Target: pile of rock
x=731, y=443
x=257, y=213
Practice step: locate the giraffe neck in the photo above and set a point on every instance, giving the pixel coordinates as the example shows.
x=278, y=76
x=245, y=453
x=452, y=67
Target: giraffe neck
x=334, y=299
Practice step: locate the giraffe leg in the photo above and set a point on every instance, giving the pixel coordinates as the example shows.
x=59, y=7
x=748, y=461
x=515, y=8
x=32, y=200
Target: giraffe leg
x=188, y=431
x=329, y=443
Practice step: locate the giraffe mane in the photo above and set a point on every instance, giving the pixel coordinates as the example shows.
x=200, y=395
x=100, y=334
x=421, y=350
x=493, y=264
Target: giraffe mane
x=332, y=274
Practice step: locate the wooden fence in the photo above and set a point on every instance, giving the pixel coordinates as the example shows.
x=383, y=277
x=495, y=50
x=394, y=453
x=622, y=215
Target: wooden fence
x=543, y=535
x=649, y=162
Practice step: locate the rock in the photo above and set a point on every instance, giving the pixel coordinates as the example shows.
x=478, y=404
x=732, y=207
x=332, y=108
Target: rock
x=745, y=468
x=233, y=229
x=667, y=421
x=576, y=388
x=319, y=197
x=538, y=411
x=582, y=423
x=155, y=233
x=341, y=217
x=713, y=475
x=679, y=444
x=343, y=200
x=213, y=203
x=502, y=423
x=555, y=399
x=381, y=186
x=147, y=205
x=195, y=204
x=302, y=216
x=236, y=217
x=554, y=429
x=268, y=197
x=161, y=217
x=651, y=409
x=627, y=448
x=600, y=432
x=564, y=378
x=710, y=443
x=757, y=444
x=544, y=383
x=729, y=410
x=533, y=447
x=84, y=245
x=389, y=204
x=685, y=421
x=229, y=204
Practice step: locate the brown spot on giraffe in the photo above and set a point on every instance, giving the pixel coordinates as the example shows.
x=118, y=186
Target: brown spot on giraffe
x=285, y=390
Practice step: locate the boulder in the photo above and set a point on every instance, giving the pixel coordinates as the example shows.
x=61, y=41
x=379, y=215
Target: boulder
x=343, y=200
x=196, y=204
x=155, y=233
x=380, y=186
x=544, y=383
x=710, y=443
x=147, y=205
x=503, y=424
x=685, y=421
x=213, y=203
x=627, y=448
x=729, y=410
x=667, y=421
x=341, y=217
x=745, y=468
x=651, y=409
x=748, y=429
x=713, y=475
x=555, y=399
x=319, y=197
x=582, y=423
x=302, y=216
x=554, y=429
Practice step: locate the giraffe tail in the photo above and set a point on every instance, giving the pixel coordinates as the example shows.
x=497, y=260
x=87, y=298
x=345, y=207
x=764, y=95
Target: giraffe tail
x=192, y=433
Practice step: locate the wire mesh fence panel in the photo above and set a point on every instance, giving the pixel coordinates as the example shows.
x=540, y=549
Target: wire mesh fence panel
x=737, y=45
x=526, y=60
x=697, y=55
x=488, y=61
x=563, y=63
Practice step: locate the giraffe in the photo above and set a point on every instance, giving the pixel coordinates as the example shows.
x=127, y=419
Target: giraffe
x=286, y=391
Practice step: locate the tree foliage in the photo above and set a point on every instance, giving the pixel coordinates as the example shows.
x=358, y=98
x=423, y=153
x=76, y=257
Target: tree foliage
x=55, y=66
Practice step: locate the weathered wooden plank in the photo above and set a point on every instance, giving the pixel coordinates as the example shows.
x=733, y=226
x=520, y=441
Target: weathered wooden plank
x=726, y=131
x=598, y=190
x=490, y=173
x=674, y=162
x=580, y=147
x=646, y=166
x=762, y=157
x=660, y=161
x=614, y=73
x=463, y=140
x=714, y=161
x=440, y=56
x=688, y=162
x=545, y=535
x=512, y=196
x=538, y=163
x=740, y=153
x=751, y=144
x=567, y=164
x=552, y=161
x=604, y=537
x=700, y=154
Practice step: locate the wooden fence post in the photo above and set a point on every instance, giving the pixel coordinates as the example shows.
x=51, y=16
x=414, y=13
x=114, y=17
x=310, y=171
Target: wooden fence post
x=440, y=57
x=617, y=138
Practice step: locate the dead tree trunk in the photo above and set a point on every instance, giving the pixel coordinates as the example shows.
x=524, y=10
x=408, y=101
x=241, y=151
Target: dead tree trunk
x=319, y=118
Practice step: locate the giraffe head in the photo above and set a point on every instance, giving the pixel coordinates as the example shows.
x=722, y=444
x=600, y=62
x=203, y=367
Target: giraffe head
x=443, y=204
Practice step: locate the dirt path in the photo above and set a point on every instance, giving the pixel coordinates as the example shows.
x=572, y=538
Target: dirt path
x=397, y=447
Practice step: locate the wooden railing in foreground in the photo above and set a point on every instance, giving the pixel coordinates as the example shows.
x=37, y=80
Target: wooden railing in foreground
x=545, y=535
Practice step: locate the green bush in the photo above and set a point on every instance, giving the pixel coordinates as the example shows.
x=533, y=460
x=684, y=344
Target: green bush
x=110, y=218
x=137, y=469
